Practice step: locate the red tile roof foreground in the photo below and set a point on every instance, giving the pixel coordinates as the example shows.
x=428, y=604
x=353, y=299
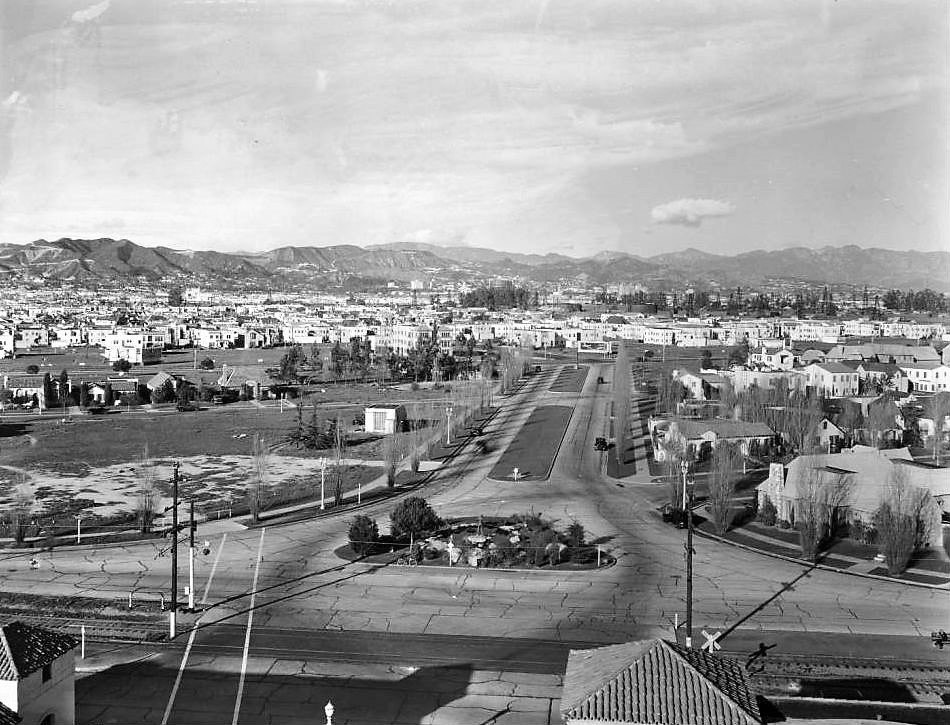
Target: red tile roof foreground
x=656, y=681
x=25, y=649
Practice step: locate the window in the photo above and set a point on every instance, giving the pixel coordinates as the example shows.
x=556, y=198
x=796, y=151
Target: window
x=47, y=673
x=379, y=420
x=49, y=720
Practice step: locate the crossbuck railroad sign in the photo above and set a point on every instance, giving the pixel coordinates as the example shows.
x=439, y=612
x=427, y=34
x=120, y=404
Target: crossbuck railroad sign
x=711, y=645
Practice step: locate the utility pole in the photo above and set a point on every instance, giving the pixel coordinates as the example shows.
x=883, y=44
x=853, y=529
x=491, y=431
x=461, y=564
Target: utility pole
x=191, y=555
x=174, y=605
x=688, y=503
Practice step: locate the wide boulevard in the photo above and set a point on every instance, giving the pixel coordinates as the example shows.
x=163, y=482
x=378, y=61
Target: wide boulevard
x=286, y=626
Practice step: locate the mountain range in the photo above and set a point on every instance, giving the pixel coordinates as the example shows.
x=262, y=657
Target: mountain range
x=102, y=260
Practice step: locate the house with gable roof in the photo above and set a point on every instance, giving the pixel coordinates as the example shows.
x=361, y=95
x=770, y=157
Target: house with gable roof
x=655, y=681
x=37, y=675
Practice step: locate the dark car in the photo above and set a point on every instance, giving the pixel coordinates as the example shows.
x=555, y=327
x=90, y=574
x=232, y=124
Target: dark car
x=600, y=444
x=187, y=407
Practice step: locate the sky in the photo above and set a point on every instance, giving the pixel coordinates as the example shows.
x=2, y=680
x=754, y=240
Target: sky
x=546, y=126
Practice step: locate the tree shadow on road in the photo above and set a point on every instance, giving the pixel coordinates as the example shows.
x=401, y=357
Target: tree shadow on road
x=287, y=691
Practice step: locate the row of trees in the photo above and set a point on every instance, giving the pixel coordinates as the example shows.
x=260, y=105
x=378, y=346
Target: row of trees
x=500, y=298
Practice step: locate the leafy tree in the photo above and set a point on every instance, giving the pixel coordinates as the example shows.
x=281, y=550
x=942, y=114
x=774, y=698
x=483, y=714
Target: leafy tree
x=175, y=298
x=287, y=367
x=122, y=366
x=206, y=364
x=32, y=369
x=339, y=454
x=108, y=396
x=363, y=535
x=413, y=516
x=63, y=386
x=84, y=395
x=164, y=393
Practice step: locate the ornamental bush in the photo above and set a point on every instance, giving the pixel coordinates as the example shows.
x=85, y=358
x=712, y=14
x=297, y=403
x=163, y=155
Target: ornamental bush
x=767, y=512
x=413, y=516
x=364, y=533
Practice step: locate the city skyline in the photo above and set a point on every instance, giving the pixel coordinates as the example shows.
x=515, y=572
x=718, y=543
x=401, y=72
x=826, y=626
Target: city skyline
x=531, y=128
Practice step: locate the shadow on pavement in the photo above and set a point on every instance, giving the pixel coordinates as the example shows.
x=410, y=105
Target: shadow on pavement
x=288, y=692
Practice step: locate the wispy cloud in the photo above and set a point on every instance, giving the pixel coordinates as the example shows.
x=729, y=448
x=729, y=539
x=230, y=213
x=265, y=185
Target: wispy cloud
x=690, y=212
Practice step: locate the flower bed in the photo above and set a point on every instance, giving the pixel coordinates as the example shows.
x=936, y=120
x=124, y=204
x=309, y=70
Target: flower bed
x=518, y=542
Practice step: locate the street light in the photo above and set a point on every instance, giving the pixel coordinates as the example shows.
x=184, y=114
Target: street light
x=448, y=426
x=323, y=470
x=328, y=711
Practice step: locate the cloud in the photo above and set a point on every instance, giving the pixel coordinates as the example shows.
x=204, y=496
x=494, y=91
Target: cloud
x=690, y=212
x=91, y=13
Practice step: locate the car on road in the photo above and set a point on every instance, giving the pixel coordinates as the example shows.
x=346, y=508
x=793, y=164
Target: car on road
x=187, y=407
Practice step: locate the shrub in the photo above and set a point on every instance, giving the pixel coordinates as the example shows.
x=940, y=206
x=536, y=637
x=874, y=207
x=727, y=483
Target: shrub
x=575, y=534
x=783, y=524
x=206, y=364
x=767, y=514
x=413, y=516
x=538, y=543
x=364, y=533
x=414, y=386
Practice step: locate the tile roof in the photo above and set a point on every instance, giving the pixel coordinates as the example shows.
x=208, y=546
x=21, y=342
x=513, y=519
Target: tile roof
x=8, y=716
x=25, y=649
x=656, y=681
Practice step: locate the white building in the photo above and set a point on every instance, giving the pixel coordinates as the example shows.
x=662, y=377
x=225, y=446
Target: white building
x=37, y=674
x=832, y=380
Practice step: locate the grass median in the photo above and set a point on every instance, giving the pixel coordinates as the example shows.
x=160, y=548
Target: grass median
x=535, y=447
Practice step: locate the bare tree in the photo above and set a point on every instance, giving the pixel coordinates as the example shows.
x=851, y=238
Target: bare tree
x=903, y=520
x=938, y=408
x=146, y=496
x=21, y=508
x=722, y=484
x=392, y=454
x=820, y=501
x=881, y=418
x=800, y=421
x=339, y=460
x=257, y=483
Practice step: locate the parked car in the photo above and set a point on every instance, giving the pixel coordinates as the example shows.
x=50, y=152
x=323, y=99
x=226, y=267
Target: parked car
x=187, y=407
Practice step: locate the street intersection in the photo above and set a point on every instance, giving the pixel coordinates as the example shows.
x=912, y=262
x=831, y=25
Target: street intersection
x=285, y=625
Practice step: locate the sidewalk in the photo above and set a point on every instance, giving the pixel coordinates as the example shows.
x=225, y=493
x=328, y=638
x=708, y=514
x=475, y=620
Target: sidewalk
x=747, y=536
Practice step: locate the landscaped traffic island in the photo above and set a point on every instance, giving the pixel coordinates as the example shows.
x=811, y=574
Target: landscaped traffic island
x=521, y=541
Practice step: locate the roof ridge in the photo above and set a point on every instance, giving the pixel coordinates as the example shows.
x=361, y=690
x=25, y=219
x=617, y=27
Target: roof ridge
x=674, y=649
x=609, y=678
x=7, y=652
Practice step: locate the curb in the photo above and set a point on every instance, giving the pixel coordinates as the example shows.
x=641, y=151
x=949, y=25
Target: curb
x=818, y=565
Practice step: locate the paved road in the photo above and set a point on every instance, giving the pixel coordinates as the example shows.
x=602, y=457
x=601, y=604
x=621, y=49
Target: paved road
x=300, y=584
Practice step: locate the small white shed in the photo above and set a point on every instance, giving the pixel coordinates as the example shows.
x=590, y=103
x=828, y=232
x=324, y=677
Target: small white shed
x=385, y=418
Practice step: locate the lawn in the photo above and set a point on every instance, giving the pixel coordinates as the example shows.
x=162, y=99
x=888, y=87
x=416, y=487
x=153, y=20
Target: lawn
x=535, y=447
x=570, y=380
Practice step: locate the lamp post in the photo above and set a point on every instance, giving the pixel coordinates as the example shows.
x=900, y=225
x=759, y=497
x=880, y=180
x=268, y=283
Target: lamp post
x=688, y=511
x=448, y=424
x=328, y=711
x=78, y=528
x=323, y=471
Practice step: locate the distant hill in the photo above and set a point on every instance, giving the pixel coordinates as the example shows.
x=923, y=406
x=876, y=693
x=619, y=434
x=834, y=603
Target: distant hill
x=88, y=260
